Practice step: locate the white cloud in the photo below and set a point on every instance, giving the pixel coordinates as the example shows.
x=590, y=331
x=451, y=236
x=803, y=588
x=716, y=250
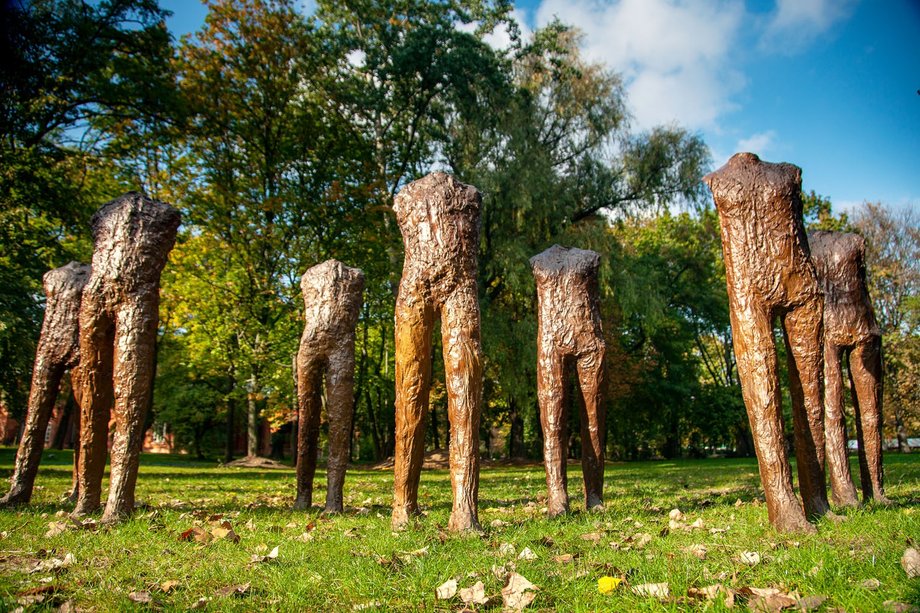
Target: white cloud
x=795, y=23
x=501, y=38
x=759, y=143
x=674, y=55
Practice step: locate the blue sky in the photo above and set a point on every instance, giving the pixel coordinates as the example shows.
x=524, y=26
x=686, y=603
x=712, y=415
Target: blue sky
x=829, y=85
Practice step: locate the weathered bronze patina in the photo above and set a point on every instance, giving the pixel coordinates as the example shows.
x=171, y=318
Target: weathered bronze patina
x=332, y=302
x=851, y=332
x=769, y=275
x=439, y=220
x=57, y=352
x=133, y=236
x=569, y=331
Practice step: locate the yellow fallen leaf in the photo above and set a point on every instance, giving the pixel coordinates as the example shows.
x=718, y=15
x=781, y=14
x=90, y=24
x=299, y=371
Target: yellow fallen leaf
x=607, y=585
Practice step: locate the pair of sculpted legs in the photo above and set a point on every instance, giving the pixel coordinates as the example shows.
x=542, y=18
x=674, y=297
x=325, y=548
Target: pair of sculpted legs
x=569, y=333
x=118, y=325
x=769, y=275
x=57, y=352
x=852, y=333
x=332, y=300
x=439, y=220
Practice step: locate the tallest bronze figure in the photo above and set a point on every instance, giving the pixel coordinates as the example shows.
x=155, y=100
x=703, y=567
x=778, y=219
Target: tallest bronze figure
x=769, y=275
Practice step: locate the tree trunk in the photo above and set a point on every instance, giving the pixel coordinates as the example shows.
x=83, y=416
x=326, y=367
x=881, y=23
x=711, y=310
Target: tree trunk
x=903, y=444
x=60, y=437
x=252, y=417
x=516, y=433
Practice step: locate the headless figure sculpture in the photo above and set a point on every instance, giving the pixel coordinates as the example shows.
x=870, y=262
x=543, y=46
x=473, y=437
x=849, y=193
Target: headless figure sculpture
x=769, y=275
x=569, y=330
x=58, y=351
x=439, y=220
x=850, y=331
x=332, y=301
x=133, y=236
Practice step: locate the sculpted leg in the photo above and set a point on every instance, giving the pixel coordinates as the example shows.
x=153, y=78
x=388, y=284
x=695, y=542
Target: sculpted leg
x=46, y=381
x=551, y=394
x=135, y=340
x=340, y=376
x=463, y=379
x=75, y=480
x=309, y=406
x=94, y=381
x=866, y=381
x=593, y=427
x=414, y=325
x=757, y=370
x=838, y=466
x=804, y=341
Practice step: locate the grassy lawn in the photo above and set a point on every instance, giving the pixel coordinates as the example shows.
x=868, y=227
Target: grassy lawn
x=355, y=562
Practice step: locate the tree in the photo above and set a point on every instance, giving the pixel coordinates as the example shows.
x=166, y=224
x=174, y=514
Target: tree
x=893, y=271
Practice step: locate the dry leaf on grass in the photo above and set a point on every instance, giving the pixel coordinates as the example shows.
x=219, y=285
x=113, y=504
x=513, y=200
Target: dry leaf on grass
x=751, y=558
x=656, y=590
x=518, y=592
x=225, y=533
x=55, y=528
x=910, y=562
x=608, y=585
x=36, y=595
x=527, y=554
x=446, y=590
x=871, y=584
x=893, y=606
x=810, y=603
x=141, y=597
x=676, y=515
x=506, y=549
x=706, y=593
x=697, y=550
x=240, y=589
x=197, y=534
x=565, y=558
x=260, y=559
x=201, y=603
x=168, y=586
x=363, y=606
x=476, y=594
x=54, y=564
x=594, y=537
x=498, y=523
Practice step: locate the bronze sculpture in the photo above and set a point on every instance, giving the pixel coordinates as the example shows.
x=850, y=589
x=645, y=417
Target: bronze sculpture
x=57, y=352
x=769, y=274
x=133, y=236
x=569, y=330
x=439, y=220
x=332, y=302
x=851, y=332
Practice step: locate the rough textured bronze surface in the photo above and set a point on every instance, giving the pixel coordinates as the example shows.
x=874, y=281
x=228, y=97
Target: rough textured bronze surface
x=569, y=330
x=332, y=302
x=850, y=331
x=769, y=275
x=57, y=352
x=133, y=236
x=439, y=220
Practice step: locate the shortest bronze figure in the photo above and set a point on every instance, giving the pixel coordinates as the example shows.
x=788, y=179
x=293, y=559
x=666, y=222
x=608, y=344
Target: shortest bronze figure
x=332, y=302
x=851, y=332
x=58, y=351
x=569, y=331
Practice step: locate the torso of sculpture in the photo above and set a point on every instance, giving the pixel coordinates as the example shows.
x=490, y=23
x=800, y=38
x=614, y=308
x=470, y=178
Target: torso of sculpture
x=58, y=351
x=769, y=275
x=133, y=236
x=851, y=332
x=569, y=330
x=332, y=303
x=439, y=220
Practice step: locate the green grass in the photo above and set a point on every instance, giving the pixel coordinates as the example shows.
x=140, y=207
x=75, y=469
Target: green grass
x=354, y=559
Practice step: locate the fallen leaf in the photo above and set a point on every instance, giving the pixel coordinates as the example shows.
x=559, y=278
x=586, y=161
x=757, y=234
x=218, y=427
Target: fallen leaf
x=55, y=528
x=200, y=604
x=527, y=554
x=594, y=537
x=260, y=559
x=910, y=562
x=770, y=600
x=362, y=606
x=446, y=590
x=899, y=607
x=506, y=549
x=197, y=534
x=871, y=584
x=35, y=595
x=656, y=590
x=141, y=597
x=518, y=592
x=168, y=586
x=751, y=558
x=223, y=533
x=697, y=550
x=306, y=537
x=607, y=585
x=475, y=594
x=641, y=539
x=54, y=564
x=351, y=533
x=497, y=523
x=705, y=593
x=676, y=515
x=698, y=524
x=565, y=558
x=240, y=589
x=810, y=603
